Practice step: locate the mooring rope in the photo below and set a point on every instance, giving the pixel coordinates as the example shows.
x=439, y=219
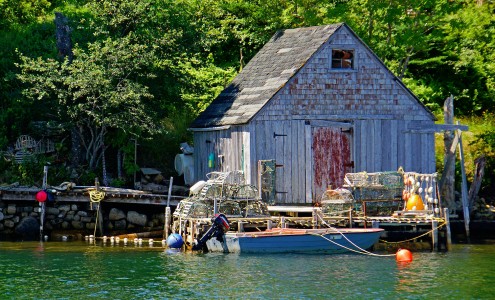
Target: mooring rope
x=362, y=251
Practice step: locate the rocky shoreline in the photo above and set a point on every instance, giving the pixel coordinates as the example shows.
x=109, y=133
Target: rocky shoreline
x=21, y=221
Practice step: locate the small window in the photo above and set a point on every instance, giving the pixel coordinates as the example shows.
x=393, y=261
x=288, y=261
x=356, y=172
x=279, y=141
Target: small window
x=342, y=59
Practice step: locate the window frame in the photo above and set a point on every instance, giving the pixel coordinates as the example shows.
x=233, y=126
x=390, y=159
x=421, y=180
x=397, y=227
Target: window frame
x=335, y=62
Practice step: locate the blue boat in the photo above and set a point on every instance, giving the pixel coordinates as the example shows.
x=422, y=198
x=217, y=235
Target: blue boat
x=280, y=240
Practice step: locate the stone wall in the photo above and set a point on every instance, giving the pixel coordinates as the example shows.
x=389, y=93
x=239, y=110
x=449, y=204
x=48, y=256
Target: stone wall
x=20, y=220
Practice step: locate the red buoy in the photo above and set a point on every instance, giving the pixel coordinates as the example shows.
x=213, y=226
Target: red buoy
x=403, y=255
x=41, y=196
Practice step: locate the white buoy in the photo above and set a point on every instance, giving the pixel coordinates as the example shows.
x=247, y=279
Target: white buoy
x=117, y=239
x=125, y=241
x=46, y=238
x=164, y=243
x=112, y=240
x=105, y=239
x=140, y=242
x=64, y=238
x=150, y=242
x=135, y=241
x=86, y=237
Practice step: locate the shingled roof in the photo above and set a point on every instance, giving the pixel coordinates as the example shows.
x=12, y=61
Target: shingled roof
x=268, y=71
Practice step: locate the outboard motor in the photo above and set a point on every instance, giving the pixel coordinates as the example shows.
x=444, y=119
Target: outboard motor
x=219, y=227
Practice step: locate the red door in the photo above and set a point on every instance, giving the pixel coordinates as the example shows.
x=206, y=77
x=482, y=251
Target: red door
x=331, y=159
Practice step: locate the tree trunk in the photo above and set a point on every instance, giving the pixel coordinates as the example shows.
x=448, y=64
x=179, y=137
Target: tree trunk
x=479, y=171
x=64, y=44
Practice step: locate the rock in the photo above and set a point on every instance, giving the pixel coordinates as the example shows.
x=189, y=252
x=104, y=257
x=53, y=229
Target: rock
x=120, y=224
x=64, y=208
x=1, y=216
x=137, y=218
x=86, y=219
x=116, y=214
x=28, y=228
x=90, y=225
x=77, y=218
x=16, y=219
x=73, y=207
x=69, y=217
x=82, y=213
x=11, y=209
x=77, y=224
x=52, y=211
x=27, y=209
x=65, y=225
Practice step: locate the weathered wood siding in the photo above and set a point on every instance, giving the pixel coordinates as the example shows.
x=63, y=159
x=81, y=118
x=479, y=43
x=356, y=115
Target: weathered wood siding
x=230, y=148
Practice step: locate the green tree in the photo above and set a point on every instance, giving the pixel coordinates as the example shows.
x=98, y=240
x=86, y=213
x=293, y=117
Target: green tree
x=99, y=91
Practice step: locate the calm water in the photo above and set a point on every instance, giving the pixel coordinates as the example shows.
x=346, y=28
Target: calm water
x=76, y=270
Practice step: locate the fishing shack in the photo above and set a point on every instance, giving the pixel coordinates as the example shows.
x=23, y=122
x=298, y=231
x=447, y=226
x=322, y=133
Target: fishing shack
x=312, y=105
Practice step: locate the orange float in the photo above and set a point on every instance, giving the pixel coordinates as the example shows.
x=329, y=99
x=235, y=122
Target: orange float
x=403, y=255
x=415, y=202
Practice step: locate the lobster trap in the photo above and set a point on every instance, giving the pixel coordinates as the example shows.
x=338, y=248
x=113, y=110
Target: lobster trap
x=375, y=186
x=338, y=202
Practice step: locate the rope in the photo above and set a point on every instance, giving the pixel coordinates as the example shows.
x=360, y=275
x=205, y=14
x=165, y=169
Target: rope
x=96, y=196
x=362, y=251
x=411, y=239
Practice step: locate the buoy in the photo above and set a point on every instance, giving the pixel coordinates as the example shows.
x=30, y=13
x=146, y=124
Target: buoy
x=403, y=255
x=41, y=196
x=175, y=241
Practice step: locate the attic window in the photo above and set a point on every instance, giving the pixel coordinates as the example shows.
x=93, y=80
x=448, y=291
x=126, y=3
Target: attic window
x=342, y=59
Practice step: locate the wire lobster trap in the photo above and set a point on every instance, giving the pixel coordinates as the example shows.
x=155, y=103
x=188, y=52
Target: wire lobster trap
x=337, y=202
x=375, y=186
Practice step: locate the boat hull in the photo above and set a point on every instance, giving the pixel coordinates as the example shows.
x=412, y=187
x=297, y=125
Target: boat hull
x=289, y=240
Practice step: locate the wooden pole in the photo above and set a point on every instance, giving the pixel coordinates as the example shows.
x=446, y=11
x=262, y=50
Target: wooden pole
x=434, y=235
x=448, y=175
x=447, y=228
x=465, y=204
x=166, y=225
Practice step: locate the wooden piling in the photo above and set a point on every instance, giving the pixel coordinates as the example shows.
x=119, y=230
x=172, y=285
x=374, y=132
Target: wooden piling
x=447, y=229
x=434, y=235
x=269, y=224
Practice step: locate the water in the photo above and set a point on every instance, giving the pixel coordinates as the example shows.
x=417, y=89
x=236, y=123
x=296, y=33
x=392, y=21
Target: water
x=76, y=270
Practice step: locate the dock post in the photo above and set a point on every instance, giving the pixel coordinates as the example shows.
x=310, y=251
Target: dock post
x=240, y=226
x=447, y=228
x=375, y=224
x=434, y=235
x=166, y=226
x=282, y=222
x=315, y=219
x=269, y=224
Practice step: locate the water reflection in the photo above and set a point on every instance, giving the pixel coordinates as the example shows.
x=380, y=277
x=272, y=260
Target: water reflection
x=74, y=270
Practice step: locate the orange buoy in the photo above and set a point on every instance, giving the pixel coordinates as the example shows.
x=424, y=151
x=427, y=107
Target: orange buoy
x=403, y=255
x=415, y=202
